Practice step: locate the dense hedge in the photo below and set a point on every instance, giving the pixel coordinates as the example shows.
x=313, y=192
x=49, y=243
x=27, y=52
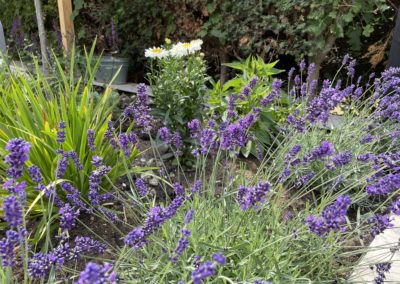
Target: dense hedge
x=229, y=28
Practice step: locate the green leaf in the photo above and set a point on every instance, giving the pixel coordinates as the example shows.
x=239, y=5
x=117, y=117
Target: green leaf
x=368, y=29
x=235, y=65
x=348, y=17
x=218, y=34
x=247, y=150
x=354, y=38
x=211, y=7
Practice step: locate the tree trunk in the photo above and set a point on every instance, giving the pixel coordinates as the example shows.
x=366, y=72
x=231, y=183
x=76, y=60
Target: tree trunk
x=394, y=55
x=42, y=36
x=319, y=58
x=223, y=57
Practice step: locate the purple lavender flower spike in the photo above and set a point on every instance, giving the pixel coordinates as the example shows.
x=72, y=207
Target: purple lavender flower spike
x=35, y=174
x=358, y=93
x=252, y=196
x=342, y=158
x=365, y=157
x=305, y=178
x=39, y=265
x=154, y=220
x=177, y=142
x=310, y=70
x=231, y=107
x=381, y=270
x=384, y=185
x=246, y=91
x=325, y=150
x=274, y=94
x=97, y=161
x=73, y=195
x=164, y=135
x=302, y=65
x=61, y=132
x=253, y=82
x=297, y=80
x=133, y=138
x=350, y=68
x=196, y=187
x=140, y=111
x=285, y=174
x=219, y=258
x=183, y=242
x=171, y=210
x=62, y=164
x=333, y=218
x=290, y=73
x=125, y=144
x=141, y=187
x=109, y=134
x=345, y=59
x=12, y=211
x=18, y=154
x=194, y=127
x=8, y=247
x=68, y=216
x=203, y=271
x=179, y=190
x=368, y=138
x=89, y=245
x=94, y=184
x=97, y=274
x=189, y=216
x=136, y=238
x=74, y=156
x=292, y=153
x=206, y=140
x=379, y=223
x=90, y=142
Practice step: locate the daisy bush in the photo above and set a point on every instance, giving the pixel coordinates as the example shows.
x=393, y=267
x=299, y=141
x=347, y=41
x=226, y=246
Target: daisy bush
x=306, y=213
x=178, y=81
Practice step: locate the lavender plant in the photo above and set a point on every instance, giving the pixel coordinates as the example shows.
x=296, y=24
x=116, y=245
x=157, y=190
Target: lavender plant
x=277, y=224
x=260, y=220
x=324, y=152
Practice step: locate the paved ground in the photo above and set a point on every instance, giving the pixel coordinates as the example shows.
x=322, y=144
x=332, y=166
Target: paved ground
x=380, y=252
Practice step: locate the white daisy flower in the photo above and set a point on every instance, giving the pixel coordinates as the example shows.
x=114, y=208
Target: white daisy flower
x=196, y=43
x=185, y=48
x=156, y=52
x=178, y=50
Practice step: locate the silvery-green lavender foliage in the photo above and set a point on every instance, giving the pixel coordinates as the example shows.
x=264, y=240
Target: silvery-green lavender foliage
x=228, y=226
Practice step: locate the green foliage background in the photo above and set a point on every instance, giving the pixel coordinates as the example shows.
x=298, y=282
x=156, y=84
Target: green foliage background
x=237, y=28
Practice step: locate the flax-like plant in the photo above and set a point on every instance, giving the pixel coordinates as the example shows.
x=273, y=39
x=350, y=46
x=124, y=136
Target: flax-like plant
x=33, y=105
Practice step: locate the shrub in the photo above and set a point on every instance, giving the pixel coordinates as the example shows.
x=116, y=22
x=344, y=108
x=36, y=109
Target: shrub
x=247, y=91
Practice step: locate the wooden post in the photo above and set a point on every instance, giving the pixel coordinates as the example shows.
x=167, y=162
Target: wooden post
x=66, y=24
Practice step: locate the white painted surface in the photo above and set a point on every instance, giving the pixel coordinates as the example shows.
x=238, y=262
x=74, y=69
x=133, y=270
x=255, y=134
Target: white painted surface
x=379, y=251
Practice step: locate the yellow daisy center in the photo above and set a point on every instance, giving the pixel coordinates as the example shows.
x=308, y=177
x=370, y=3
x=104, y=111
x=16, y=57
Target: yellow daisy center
x=156, y=50
x=187, y=45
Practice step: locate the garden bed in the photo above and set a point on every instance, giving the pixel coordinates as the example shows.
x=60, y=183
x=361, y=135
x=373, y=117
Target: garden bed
x=249, y=182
